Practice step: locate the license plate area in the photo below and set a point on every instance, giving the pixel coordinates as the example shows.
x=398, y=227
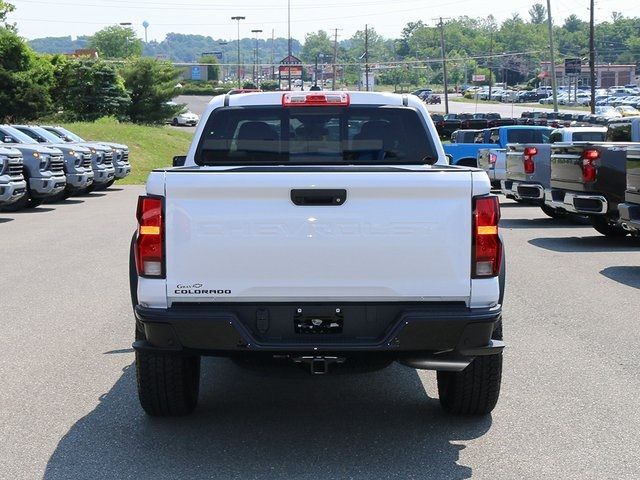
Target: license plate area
x=318, y=321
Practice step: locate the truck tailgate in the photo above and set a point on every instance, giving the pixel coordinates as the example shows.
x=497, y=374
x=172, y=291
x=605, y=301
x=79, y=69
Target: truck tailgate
x=238, y=236
x=566, y=166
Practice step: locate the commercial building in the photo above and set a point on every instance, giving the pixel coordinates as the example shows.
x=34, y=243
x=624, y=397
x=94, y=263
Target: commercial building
x=607, y=74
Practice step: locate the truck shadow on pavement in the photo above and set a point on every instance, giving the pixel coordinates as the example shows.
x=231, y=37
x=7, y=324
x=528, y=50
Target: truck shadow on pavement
x=627, y=275
x=598, y=243
x=249, y=425
x=6, y=220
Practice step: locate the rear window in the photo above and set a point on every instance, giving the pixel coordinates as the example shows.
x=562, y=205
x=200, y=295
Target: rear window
x=619, y=132
x=588, y=136
x=315, y=135
x=528, y=136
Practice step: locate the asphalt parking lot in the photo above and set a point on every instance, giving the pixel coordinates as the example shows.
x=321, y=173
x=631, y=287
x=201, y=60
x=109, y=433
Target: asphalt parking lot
x=568, y=409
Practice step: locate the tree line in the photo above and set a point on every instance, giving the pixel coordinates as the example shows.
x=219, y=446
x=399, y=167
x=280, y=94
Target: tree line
x=513, y=48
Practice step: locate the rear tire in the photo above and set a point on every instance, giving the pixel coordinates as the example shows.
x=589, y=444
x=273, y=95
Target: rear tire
x=608, y=228
x=474, y=390
x=168, y=384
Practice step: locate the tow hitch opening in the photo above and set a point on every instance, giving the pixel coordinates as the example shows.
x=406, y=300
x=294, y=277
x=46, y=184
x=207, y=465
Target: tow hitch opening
x=319, y=365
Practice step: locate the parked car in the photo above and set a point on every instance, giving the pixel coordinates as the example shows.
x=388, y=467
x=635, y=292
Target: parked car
x=528, y=96
x=608, y=111
x=43, y=167
x=433, y=99
x=77, y=159
x=104, y=159
x=589, y=178
x=627, y=111
x=12, y=183
x=185, y=119
x=314, y=295
x=529, y=165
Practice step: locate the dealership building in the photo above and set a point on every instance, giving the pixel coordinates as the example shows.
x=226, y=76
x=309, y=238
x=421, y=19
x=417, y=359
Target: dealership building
x=607, y=74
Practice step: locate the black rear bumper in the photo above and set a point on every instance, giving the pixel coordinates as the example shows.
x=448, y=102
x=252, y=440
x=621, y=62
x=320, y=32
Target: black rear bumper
x=395, y=329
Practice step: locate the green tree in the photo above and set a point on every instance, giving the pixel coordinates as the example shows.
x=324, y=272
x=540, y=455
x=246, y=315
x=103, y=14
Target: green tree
x=5, y=9
x=151, y=84
x=538, y=13
x=116, y=42
x=315, y=44
x=25, y=80
x=213, y=69
x=88, y=89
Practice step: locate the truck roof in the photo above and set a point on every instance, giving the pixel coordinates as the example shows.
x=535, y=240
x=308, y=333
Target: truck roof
x=275, y=98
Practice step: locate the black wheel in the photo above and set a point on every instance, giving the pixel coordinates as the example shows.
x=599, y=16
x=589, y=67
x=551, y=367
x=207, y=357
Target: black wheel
x=552, y=212
x=474, y=390
x=608, y=227
x=168, y=384
x=174, y=122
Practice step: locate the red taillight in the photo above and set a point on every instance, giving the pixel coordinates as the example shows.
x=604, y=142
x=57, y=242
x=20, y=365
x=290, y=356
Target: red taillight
x=487, y=247
x=527, y=159
x=310, y=99
x=589, y=169
x=149, y=249
x=493, y=158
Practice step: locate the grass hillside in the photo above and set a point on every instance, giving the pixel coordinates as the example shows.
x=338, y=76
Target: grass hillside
x=149, y=147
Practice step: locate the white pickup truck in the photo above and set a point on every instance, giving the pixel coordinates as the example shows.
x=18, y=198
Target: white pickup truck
x=324, y=229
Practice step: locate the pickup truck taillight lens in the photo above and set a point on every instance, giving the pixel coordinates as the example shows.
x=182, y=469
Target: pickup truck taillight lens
x=589, y=170
x=149, y=247
x=487, y=247
x=527, y=159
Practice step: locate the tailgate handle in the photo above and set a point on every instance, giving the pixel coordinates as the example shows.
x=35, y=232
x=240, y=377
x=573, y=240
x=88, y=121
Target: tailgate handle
x=315, y=197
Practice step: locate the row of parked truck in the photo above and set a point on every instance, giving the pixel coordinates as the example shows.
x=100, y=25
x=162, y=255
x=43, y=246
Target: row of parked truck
x=587, y=171
x=49, y=163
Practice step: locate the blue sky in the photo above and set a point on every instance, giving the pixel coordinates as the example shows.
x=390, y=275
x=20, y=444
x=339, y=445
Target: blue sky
x=40, y=18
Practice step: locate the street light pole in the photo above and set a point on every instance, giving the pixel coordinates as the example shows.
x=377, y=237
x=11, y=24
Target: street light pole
x=256, y=72
x=238, y=18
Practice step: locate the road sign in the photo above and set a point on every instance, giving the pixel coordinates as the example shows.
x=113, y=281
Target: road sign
x=478, y=78
x=573, y=66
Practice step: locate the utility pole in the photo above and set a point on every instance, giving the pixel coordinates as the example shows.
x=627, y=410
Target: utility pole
x=592, y=57
x=238, y=66
x=335, y=57
x=444, y=67
x=490, y=62
x=366, y=57
x=552, y=58
x=273, y=54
